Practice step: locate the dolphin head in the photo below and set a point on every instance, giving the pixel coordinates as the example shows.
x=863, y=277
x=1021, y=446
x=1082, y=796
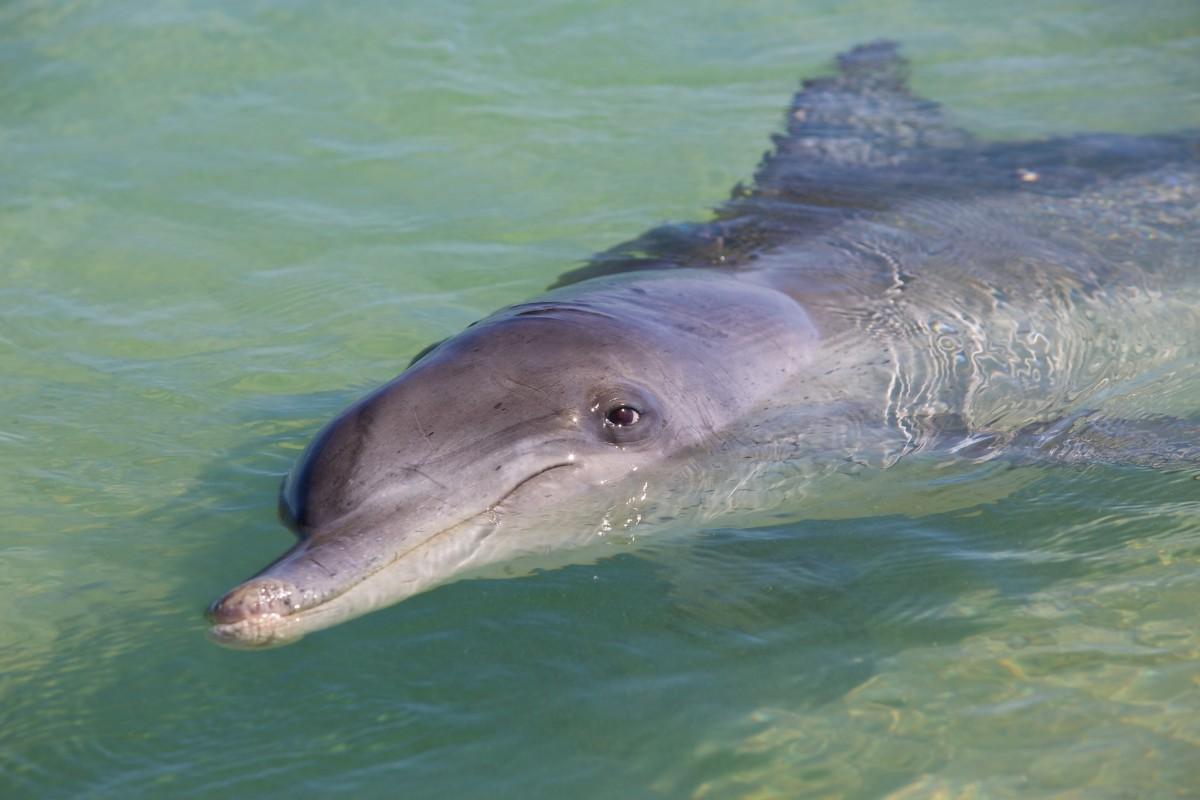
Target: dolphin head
x=540, y=417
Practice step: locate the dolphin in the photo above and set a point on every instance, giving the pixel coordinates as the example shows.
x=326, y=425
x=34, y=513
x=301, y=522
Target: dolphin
x=888, y=286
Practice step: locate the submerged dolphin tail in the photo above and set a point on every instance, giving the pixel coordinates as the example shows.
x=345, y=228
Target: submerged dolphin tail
x=1156, y=442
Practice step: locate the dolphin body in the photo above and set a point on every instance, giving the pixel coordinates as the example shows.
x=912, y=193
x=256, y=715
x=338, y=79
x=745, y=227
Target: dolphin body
x=888, y=286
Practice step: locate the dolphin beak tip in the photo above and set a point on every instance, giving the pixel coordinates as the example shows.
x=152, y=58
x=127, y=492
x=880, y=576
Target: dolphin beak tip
x=259, y=597
x=250, y=615
x=241, y=637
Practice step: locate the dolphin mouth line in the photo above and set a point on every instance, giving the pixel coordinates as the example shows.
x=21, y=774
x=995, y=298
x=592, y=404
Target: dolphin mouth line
x=263, y=630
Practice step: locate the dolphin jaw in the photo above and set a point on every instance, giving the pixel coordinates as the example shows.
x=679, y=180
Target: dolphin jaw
x=270, y=610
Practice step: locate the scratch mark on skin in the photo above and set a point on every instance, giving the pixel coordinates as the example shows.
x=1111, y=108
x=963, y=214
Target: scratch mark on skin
x=434, y=448
x=509, y=382
x=417, y=470
x=412, y=409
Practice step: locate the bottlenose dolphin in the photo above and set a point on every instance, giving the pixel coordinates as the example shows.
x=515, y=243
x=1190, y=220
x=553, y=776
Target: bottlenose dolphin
x=887, y=286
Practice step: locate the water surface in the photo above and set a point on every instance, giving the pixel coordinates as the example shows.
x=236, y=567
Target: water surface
x=221, y=222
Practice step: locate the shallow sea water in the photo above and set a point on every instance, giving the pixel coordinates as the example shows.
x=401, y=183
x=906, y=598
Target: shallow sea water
x=221, y=222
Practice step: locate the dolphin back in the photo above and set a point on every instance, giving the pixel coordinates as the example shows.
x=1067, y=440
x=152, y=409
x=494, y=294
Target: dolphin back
x=859, y=145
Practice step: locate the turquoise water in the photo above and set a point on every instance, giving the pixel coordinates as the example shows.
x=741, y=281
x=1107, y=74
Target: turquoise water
x=221, y=222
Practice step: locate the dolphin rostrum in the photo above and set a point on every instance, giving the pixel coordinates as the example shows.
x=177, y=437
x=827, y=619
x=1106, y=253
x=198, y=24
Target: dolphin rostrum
x=887, y=286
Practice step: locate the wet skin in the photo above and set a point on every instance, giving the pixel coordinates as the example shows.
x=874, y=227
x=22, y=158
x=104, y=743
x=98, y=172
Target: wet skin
x=537, y=404
x=888, y=286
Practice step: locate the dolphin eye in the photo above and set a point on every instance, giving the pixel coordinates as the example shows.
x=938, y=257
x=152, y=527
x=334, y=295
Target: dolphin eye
x=622, y=416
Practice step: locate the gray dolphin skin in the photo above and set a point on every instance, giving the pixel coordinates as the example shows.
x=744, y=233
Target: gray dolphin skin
x=888, y=289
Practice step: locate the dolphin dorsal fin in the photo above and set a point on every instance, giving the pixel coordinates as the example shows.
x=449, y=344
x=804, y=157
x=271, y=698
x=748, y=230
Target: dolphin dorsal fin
x=851, y=138
x=862, y=117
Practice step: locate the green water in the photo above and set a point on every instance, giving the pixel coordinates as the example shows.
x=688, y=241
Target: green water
x=220, y=222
